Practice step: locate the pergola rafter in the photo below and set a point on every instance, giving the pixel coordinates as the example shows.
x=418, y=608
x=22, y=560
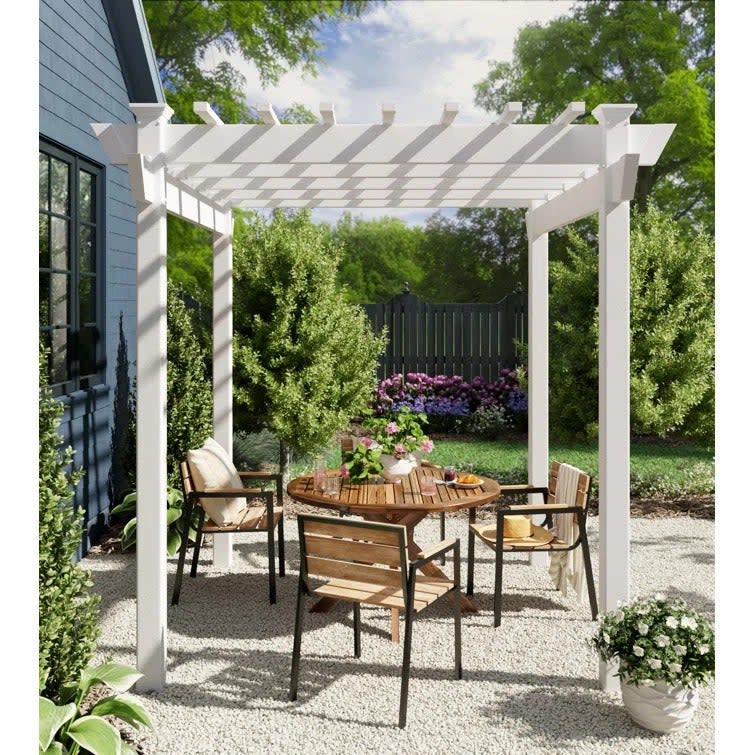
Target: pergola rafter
x=559, y=172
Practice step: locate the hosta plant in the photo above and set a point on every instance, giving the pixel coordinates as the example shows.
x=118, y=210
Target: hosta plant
x=657, y=639
x=65, y=730
x=175, y=510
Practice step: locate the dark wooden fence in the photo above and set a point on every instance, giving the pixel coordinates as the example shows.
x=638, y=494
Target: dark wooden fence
x=450, y=339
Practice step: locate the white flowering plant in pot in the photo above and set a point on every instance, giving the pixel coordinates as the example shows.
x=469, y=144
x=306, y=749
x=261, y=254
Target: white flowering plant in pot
x=658, y=639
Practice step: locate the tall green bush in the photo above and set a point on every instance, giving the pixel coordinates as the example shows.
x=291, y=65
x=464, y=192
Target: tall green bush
x=305, y=359
x=67, y=612
x=189, y=386
x=672, y=333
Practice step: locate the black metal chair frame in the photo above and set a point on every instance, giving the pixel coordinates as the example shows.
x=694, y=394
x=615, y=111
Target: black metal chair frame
x=192, y=499
x=501, y=513
x=409, y=577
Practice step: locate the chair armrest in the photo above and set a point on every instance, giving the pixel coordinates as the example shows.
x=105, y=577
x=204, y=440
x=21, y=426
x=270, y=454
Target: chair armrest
x=523, y=489
x=229, y=493
x=433, y=552
x=542, y=508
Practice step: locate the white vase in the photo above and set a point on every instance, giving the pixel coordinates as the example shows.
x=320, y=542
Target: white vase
x=660, y=707
x=394, y=469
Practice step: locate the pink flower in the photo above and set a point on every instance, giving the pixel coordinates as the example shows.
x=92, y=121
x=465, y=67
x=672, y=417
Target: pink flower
x=427, y=446
x=399, y=448
x=367, y=442
x=391, y=428
x=343, y=472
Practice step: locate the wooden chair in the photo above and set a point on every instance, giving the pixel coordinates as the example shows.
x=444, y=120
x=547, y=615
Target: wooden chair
x=367, y=562
x=255, y=518
x=493, y=536
x=347, y=444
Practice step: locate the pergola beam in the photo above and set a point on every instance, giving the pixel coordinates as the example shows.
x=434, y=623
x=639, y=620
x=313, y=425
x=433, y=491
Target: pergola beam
x=450, y=111
x=207, y=114
x=266, y=112
x=511, y=112
x=616, y=182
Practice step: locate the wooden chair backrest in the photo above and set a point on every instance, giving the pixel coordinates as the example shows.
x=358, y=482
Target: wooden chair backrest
x=186, y=481
x=583, y=486
x=356, y=551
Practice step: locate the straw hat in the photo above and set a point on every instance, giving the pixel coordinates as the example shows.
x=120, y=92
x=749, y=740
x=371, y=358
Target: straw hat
x=519, y=530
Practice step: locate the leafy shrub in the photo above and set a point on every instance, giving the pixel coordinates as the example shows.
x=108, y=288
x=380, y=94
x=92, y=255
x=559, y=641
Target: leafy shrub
x=189, y=386
x=67, y=612
x=672, y=333
x=490, y=421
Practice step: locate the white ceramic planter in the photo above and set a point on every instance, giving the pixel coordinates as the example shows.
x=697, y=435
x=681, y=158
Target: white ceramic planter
x=659, y=707
x=394, y=469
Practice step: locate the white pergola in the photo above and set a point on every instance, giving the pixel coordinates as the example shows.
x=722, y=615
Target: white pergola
x=559, y=172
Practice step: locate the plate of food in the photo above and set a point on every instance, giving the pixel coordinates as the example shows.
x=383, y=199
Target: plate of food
x=467, y=481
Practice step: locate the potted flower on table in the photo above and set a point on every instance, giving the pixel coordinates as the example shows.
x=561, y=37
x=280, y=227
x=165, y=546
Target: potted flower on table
x=402, y=441
x=665, y=652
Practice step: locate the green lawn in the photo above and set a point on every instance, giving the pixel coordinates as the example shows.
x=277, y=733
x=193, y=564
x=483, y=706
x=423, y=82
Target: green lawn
x=656, y=468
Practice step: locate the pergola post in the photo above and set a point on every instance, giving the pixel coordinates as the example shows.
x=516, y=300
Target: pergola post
x=147, y=174
x=613, y=413
x=537, y=372
x=222, y=363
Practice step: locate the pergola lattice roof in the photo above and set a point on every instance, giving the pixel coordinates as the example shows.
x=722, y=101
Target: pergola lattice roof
x=501, y=164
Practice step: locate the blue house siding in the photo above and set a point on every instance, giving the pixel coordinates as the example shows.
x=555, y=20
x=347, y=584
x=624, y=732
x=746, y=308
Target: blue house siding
x=80, y=82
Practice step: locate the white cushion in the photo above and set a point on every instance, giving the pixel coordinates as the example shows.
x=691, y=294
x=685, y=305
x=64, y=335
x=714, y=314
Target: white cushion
x=212, y=469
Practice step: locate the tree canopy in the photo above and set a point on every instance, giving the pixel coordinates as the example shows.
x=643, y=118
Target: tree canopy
x=659, y=54
x=274, y=35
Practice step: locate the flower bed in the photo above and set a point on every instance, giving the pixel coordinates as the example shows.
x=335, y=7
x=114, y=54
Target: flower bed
x=451, y=403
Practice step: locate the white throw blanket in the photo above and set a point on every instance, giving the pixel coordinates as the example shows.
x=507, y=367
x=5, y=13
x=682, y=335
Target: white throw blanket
x=567, y=567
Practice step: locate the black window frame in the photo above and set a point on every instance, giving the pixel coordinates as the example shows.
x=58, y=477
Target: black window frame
x=76, y=164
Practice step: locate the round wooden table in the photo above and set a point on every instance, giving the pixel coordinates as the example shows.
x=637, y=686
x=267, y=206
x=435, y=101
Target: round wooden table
x=396, y=503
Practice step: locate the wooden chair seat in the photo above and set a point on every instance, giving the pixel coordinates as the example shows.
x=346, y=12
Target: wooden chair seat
x=486, y=533
x=427, y=591
x=250, y=519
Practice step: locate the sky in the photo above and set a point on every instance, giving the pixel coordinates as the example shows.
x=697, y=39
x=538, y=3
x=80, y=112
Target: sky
x=416, y=54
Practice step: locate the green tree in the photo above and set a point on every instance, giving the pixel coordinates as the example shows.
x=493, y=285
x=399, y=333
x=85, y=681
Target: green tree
x=379, y=256
x=658, y=54
x=189, y=386
x=672, y=333
x=67, y=612
x=304, y=358
x=273, y=35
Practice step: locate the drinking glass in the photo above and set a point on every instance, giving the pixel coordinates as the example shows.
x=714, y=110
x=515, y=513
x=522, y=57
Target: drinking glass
x=449, y=474
x=427, y=485
x=332, y=486
x=320, y=475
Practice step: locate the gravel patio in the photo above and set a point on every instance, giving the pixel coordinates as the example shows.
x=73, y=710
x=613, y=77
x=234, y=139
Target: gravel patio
x=529, y=687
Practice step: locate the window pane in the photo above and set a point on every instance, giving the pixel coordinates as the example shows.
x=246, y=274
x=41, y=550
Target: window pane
x=87, y=351
x=86, y=196
x=59, y=299
x=59, y=356
x=44, y=181
x=44, y=299
x=87, y=300
x=86, y=260
x=59, y=186
x=44, y=240
x=59, y=243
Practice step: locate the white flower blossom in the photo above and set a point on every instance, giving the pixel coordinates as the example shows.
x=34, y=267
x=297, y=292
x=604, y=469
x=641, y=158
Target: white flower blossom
x=675, y=668
x=680, y=649
x=642, y=628
x=703, y=649
x=672, y=622
x=619, y=615
x=662, y=640
x=688, y=623
x=660, y=596
x=638, y=651
x=642, y=610
x=654, y=663
x=606, y=637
